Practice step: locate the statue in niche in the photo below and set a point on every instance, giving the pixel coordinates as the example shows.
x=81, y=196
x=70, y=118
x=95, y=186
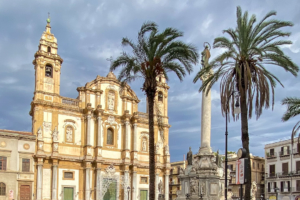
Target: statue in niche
x=144, y=144
x=111, y=100
x=69, y=134
x=202, y=188
x=160, y=186
x=55, y=134
x=40, y=133
x=189, y=157
x=193, y=185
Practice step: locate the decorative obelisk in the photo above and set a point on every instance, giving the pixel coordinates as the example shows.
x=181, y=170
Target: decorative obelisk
x=206, y=108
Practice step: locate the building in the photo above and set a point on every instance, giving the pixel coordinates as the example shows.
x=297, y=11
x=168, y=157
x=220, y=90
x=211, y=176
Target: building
x=174, y=180
x=16, y=164
x=257, y=175
x=283, y=170
x=92, y=147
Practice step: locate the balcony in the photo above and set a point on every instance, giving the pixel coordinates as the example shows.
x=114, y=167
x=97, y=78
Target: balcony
x=271, y=175
x=270, y=155
x=283, y=174
x=285, y=189
x=296, y=189
x=271, y=190
x=285, y=153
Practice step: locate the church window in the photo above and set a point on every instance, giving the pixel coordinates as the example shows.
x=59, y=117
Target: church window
x=49, y=49
x=2, y=189
x=160, y=96
x=144, y=180
x=48, y=71
x=110, y=137
x=25, y=165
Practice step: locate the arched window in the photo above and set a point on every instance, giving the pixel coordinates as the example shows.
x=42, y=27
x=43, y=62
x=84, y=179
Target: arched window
x=48, y=71
x=160, y=96
x=49, y=49
x=110, y=136
x=2, y=189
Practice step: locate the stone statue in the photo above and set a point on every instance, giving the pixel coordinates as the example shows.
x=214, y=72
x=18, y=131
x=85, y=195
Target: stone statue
x=189, y=157
x=205, y=55
x=193, y=185
x=160, y=187
x=55, y=134
x=202, y=188
x=69, y=134
x=111, y=100
x=253, y=190
x=218, y=159
x=144, y=144
x=40, y=133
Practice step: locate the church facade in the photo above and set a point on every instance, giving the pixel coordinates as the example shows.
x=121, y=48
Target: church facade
x=94, y=146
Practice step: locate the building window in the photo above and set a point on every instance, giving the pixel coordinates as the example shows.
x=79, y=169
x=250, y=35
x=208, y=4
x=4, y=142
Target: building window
x=2, y=163
x=25, y=165
x=160, y=96
x=68, y=175
x=110, y=136
x=257, y=165
x=285, y=168
x=49, y=49
x=230, y=167
x=272, y=171
x=144, y=180
x=48, y=71
x=253, y=165
x=2, y=189
x=272, y=152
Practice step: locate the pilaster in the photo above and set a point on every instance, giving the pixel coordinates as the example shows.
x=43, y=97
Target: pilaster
x=54, y=179
x=87, y=180
x=39, y=182
x=98, y=149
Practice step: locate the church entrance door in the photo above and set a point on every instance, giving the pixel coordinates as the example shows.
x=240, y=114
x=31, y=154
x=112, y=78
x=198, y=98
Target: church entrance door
x=68, y=193
x=111, y=193
x=25, y=192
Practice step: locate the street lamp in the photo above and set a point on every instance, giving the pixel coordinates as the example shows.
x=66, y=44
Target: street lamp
x=187, y=196
x=128, y=190
x=236, y=111
x=276, y=190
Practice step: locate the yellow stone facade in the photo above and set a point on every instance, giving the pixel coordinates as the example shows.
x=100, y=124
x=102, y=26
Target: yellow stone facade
x=100, y=136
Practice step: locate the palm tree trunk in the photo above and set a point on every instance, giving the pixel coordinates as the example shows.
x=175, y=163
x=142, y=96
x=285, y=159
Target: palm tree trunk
x=150, y=96
x=245, y=141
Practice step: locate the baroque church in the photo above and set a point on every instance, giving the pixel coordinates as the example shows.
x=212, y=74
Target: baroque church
x=94, y=146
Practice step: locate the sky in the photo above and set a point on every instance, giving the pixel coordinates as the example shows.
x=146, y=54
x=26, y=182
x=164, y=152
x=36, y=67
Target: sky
x=90, y=32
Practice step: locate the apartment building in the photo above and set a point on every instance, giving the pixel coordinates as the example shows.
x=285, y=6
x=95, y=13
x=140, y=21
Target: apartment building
x=283, y=170
x=174, y=183
x=257, y=175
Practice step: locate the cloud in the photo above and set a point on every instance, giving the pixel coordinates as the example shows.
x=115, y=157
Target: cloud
x=89, y=32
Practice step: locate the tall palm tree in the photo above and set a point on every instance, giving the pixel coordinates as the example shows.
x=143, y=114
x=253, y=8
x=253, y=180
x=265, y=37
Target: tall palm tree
x=249, y=49
x=154, y=54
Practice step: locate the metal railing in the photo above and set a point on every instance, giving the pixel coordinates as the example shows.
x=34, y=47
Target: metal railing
x=271, y=175
x=271, y=155
x=70, y=101
x=285, y=153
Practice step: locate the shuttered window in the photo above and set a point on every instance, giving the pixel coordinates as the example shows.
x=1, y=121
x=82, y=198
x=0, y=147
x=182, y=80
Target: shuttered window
x=298, y=166
x=271, y=152
x=2, y=189
x=269, y=188
x=285, y=168
x=2, y=163
x=272, y=170
x=25, y=165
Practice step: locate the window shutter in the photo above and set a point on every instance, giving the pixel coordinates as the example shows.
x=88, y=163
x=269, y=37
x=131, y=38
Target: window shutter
x=269, y=189
x=289, y=186
x=281, y=186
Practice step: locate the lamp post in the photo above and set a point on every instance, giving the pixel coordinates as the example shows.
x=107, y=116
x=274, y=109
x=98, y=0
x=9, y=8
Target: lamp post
x=201, y=196
x=236, y=111
x=187, y=196
x=276, y=190
x=128, y=190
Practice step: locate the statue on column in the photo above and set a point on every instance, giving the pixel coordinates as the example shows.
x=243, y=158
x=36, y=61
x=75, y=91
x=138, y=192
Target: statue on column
x=189, y=157
x=205, y=55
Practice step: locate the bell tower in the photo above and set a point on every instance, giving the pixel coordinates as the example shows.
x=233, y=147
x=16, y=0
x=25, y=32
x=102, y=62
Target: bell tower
x=47, y=65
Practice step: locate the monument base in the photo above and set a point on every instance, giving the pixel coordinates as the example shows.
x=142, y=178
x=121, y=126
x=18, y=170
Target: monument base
x=202, y=179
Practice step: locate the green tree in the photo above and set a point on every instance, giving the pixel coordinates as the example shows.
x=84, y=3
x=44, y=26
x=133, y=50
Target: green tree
x=154, y=54
x=293, y=109
x=241, y=67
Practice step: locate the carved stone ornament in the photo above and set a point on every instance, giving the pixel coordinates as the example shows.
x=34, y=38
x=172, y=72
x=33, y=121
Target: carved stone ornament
x=110, y=170
x=40, y=145
x=193, y=185
x=47, y=126
x=26, y=146
x=55, y=147
x=2, y=144
x=55, y=134
x=135, y=155
x=167, y=150
x=202, y=188
x=157, y=149
x=111, y=120
x=160, y=187
x=40, y=133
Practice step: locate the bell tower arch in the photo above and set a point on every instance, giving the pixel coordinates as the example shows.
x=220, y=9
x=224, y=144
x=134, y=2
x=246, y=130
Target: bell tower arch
x=47, y=65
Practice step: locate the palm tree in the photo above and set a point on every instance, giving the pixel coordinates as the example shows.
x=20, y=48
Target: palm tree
x=154, y=54
x=242, y=67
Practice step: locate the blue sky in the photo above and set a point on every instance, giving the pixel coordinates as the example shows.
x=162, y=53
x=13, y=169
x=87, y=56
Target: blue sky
x=89, y=32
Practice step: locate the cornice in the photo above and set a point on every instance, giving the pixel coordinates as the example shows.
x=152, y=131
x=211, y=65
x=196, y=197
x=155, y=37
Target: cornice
x=47, y=55
x=17, y=136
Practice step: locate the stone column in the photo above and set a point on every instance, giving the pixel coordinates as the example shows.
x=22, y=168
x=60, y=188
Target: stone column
x=126, y=175
x=99, y=139
x=156, y=186
x=87, y=184
x=135, y=143
x=127, y=132
x=166, y=187
x=98, y=184
x=39, y=182
x=54, y=182
x=206, y=122
x=134, y=185
x=88, y=131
